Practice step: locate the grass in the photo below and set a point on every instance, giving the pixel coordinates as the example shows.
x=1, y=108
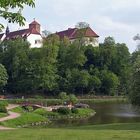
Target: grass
x=93, y=132
x=81, y=113
x=3, y=115
x=24, y=119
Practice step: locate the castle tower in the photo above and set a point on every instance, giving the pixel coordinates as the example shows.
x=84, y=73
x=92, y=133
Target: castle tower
x=34, y=26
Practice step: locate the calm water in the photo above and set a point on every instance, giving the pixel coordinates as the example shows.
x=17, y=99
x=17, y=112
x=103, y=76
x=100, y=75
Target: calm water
x=107, y=113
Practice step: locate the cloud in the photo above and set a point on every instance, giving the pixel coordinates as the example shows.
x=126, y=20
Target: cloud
x=118, y=18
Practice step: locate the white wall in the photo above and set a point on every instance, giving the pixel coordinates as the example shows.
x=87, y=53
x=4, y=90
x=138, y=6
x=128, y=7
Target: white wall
x=32, y=39
x=88, y=41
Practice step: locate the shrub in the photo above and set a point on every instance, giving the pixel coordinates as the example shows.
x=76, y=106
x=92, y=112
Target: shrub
x=40, y=111
x=72, y=99
x=3, y=109
x=74, y=110
x=64, y=111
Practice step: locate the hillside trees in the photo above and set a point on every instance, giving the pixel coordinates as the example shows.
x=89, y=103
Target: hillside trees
x=61, y=66
x=29, y=69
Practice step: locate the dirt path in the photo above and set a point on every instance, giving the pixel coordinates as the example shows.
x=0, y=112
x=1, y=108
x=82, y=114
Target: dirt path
x=12, y=115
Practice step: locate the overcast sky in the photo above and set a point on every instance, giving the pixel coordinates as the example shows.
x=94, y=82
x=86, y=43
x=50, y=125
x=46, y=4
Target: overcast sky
x=117, y=18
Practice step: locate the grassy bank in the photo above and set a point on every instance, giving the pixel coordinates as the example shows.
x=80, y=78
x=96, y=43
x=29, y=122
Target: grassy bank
x=80, y=113
x=3, y=115
x=100, y=132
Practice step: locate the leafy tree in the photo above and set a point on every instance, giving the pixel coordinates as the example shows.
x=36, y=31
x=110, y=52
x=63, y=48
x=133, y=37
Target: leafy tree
x=14, y=56
x=94, y=84
x=110, y=83
x=3, y=76
x=11, y=10
x=63, y=96
x=81, y=25
x=72, y=99
x=135, y=83
x=109, y=41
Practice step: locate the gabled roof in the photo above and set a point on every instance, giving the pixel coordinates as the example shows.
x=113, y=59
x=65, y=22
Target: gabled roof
x=1, y=35
x=15, y=34
x=68, y=33
x=21, y=33
x=73, y=33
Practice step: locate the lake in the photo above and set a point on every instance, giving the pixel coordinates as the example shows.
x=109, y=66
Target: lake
x=107, y=113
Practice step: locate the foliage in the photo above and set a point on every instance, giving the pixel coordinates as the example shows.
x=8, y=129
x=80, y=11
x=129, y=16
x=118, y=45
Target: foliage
x=3, y=76
x=3, y=105
x=60, y=66
x=3, y=115
x=63, y=96
x=72, y=99
x=3, y=109
x=74, y=110
x=64, y=110
x=11, y=10
x=135, y=83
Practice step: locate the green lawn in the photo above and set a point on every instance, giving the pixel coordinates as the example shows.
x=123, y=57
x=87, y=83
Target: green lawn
x=99, y=132
x=3, y=115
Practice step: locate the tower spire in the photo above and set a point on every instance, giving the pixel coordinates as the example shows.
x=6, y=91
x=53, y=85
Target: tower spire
x=7, y=30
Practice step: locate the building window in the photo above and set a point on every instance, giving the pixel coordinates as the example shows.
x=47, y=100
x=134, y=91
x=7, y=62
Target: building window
x=37, y=41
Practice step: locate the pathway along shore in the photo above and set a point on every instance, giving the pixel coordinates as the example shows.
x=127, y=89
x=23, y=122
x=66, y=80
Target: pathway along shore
x=12, y=115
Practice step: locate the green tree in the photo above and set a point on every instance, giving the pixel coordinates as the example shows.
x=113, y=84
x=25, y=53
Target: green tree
x=3, y=76
x=72, y=99
x=110, y=83
x=11, y=10
x=94, y=84
x=63, y=96
x=135, y=83
x=14, y=56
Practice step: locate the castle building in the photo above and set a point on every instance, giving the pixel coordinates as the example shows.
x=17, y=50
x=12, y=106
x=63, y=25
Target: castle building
x=32, y=35
x=88, y=36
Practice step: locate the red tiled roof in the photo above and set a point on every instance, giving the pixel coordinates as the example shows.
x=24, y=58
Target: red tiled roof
x=68, y=33
x=1, y=35
x=74, y=33
x=90, y=33
x=21, y=33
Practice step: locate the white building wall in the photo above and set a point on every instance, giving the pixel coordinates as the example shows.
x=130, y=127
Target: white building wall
x=35, y=40
x=89, y=41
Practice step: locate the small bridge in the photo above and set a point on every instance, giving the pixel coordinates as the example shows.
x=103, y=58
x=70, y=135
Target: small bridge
x=35, y=106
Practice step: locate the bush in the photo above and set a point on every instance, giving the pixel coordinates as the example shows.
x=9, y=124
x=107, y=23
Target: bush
x=74, y=110
x=64, y=111
x=3, y=109
x=72, y=99
x=3, y=105
x=40, y=111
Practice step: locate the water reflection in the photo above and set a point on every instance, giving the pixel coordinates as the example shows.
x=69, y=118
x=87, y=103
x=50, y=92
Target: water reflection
x=107, y=113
